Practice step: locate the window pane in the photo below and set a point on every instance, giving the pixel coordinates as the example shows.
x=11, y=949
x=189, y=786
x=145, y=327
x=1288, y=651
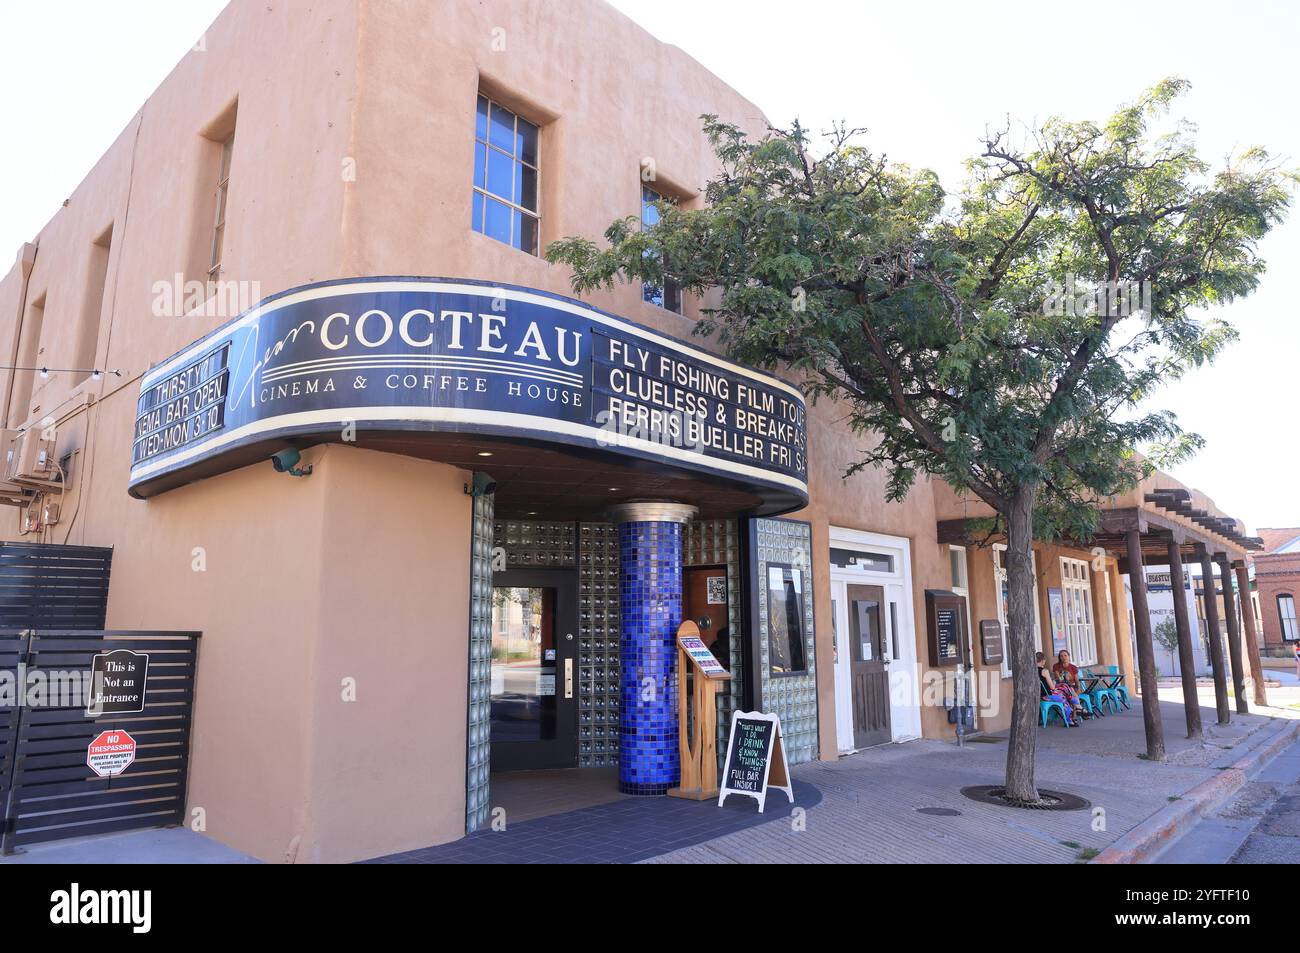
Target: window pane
x=528, y=188
x=499, y=175
x=481, y=119
x=498, y=221
x=480, y=165
x=672, y=296
x=502, y=131
x=867, y=616
x=477, y=216
x=523, y=664
x=649, y=212
x=526, y=233
x=957, y=558
x=526, y=139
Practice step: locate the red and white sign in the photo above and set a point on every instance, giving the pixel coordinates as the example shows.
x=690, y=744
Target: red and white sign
x=111, y=753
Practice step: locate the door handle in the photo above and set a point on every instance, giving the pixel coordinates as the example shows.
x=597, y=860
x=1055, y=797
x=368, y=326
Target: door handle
x=568, y=678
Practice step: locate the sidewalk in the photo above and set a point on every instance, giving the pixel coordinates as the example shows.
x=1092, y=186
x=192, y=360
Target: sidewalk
x=870, y=812
x=891, y=804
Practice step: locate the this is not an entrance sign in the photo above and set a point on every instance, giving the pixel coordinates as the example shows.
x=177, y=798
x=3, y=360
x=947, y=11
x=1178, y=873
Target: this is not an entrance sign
x=110, y=753
x=117, y=683
x=755, y=758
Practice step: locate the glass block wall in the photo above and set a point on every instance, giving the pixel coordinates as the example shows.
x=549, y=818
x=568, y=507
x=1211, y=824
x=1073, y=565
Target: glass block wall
x=536, y=544
x=717, y=543
x=598, y=629
x=478, y=726
x=793, y=697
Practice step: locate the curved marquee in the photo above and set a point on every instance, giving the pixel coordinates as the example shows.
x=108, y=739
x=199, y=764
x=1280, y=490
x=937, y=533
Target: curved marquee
x=437, y=355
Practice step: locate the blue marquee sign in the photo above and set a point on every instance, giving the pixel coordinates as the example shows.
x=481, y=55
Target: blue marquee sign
x=435, y=355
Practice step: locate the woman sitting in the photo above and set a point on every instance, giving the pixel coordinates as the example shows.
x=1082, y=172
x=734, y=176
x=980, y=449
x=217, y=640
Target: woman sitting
x=1058, y=692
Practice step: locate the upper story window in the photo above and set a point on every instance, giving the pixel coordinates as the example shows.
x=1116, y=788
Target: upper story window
x=1286, y=612
x=668, y=295
x=505, y=176
x=223, y=188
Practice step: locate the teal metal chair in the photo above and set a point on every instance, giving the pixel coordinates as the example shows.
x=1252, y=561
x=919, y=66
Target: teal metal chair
x=1116, y=685
x=1099, y=696
x=1049, y=703
x=1045, y=709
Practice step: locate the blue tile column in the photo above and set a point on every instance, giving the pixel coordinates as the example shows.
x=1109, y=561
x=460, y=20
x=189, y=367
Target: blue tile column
x=650, y=610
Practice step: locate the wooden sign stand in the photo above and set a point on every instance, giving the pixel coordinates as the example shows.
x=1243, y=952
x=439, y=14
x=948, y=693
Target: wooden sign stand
x=699, y=745
x=776, y=771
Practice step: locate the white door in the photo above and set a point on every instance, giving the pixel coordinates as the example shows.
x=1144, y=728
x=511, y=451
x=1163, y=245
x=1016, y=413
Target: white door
x=874, y=559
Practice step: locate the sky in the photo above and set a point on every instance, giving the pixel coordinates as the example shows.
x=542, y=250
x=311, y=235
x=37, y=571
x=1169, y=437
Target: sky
x=926, y=78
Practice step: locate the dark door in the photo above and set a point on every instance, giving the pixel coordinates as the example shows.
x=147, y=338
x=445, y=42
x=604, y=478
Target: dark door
x=870, y=666
x=704, y=599
x=534, y=671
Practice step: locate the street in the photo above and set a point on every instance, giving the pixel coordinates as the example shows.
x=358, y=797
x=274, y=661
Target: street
x=1261, y=825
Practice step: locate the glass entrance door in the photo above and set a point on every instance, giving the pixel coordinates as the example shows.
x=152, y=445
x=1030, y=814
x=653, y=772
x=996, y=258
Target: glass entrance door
x=534, y=678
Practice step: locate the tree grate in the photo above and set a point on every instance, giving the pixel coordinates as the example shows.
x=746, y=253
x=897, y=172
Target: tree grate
x=1047, y=800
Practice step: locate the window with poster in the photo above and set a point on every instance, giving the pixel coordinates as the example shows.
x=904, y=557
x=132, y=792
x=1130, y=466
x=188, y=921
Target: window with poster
x=785, y=633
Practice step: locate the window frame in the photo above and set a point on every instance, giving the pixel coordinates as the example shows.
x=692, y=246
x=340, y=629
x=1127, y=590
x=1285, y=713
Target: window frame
x=1283, y=618
x=221, y=195
x=481, y=195
x=670, y=293
x=1076, y=595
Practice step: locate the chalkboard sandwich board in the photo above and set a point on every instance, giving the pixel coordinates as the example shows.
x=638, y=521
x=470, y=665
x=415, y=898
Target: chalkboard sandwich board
x=755, y=758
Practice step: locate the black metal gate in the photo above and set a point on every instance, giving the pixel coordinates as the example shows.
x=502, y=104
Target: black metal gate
x=47, y=789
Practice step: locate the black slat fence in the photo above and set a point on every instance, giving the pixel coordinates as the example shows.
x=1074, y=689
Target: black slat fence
x=45, y=586
x=46, y=787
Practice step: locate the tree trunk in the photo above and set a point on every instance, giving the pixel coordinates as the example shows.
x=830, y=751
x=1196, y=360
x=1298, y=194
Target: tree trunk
x=1021, y=646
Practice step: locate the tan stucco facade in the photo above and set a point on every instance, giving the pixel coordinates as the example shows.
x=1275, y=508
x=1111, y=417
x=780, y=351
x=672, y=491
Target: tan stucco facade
x=330, y=718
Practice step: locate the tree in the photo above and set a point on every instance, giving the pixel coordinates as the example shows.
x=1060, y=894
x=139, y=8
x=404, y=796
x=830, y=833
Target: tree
x=1001, y=339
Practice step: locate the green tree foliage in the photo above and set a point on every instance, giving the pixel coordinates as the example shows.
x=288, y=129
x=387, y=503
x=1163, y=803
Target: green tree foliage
x=1001, y=339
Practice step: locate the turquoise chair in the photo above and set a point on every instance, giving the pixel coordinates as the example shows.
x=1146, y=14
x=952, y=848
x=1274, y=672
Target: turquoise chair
x=1045, y=709
x=1047, y=704
x=1100, y=697
x=1119, y=691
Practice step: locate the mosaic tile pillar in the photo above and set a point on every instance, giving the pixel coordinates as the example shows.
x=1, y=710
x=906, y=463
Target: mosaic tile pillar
x=650, y=610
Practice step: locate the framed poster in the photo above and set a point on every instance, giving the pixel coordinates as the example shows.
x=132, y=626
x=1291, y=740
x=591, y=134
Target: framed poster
x=785, y=619
x=1056, y=612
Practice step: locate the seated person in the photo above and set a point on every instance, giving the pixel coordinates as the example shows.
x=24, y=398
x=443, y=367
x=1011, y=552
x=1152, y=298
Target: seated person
x=1063, y=671
x=1058, y=691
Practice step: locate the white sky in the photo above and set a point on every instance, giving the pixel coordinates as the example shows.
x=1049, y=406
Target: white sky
x=924, y=77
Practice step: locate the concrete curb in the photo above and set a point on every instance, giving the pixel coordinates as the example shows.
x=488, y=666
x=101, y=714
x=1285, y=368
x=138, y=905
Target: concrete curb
x=1166, y=825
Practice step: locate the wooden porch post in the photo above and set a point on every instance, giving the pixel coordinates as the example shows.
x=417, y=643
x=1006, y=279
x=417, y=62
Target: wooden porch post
x=1212, y=636
x=1186, y=658
x=1146, y=652
x=1252, y=636
x=1234, y=635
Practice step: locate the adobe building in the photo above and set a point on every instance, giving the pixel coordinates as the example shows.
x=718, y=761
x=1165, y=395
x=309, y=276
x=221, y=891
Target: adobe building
x=291, y=351
x=1277, y=584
